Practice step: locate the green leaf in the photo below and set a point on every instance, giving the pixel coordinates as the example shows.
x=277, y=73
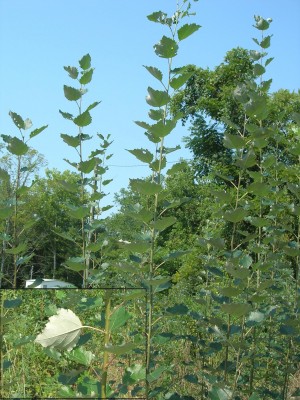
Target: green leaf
x=71, y=93
x=17, y=250
x=52, y=353
x=86, y=77
x=217, y=393
x=6, y=212
x=143, y=155
x=248, y=160
x=118, y=318
x=180, y=80
x=70, y=187
x=236, y=215
x=136, y=247
x=73, y=141
x=157, y=98
x=66, y=115
x=261, y=24
x=24, y=340
x=266, y=42
x=64, y=236
x=166, y=48
x=234, y=141
x=164, y=223
x=158, y=164
x=257, y=107
x=75, y=264
x=157, y=16
x=236, y=309
x=15, y=145
x=78, y=212
x=154, y=375
x=17, y=120
x=87, y=166
x=134, y=374
x=85, y=62
x=72, y=71
x=37, y=131
x=145, y=187
x=154, y=72
x=122, y=349
x=156, y=115
x=192, y=378
x=12, y=303
x=69, y=378
x=179, y=309
x=24, y=259
x=162, y=128
x=259, y=189
x=83, y=119
x=187, y=30
x=81, y=356
x=93, y=105
x=96, y=246
x=258, y=70
x=176, y=168
x=230, y=291
x=268, y=61
x=4, y=175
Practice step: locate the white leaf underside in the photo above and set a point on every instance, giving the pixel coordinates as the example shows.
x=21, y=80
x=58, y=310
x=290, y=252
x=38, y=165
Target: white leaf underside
x=62, y=331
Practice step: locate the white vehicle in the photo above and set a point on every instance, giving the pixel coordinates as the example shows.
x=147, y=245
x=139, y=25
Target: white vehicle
x=41, y=283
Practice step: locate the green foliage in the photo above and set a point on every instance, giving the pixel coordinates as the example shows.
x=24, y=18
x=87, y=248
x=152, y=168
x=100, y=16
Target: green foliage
x=208, y=250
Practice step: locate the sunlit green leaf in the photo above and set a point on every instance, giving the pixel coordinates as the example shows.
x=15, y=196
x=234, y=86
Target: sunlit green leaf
x=18, y=249
x=143, y=155
x=157, y=98
x=73, y=141
x=187, y=30
x=145, y=187
x=17, y=120
x=266, y=42
x=66, y=115
x=71, y=93
x=87, y=166
x=163, y=223
x=75, y=264
x=166, y=47
x=72, y=71
x=236, y=215
x=86, y=77
x=258, y=69
x=155, y=72
x=234, y=141
x=37, y=131
x=180, y=80
x=15, y=145
x=118, y=318
x=85, y=62
x=261, y=23
x=81, y=356
x=83, y=119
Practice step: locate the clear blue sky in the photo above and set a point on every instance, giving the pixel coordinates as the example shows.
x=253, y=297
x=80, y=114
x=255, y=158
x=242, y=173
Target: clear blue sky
x=39, y=37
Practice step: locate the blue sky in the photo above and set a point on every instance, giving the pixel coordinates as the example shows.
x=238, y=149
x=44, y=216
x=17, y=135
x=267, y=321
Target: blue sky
x=39, y=37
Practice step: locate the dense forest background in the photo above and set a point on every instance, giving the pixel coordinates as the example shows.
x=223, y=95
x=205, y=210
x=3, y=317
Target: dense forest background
x=214, y=241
